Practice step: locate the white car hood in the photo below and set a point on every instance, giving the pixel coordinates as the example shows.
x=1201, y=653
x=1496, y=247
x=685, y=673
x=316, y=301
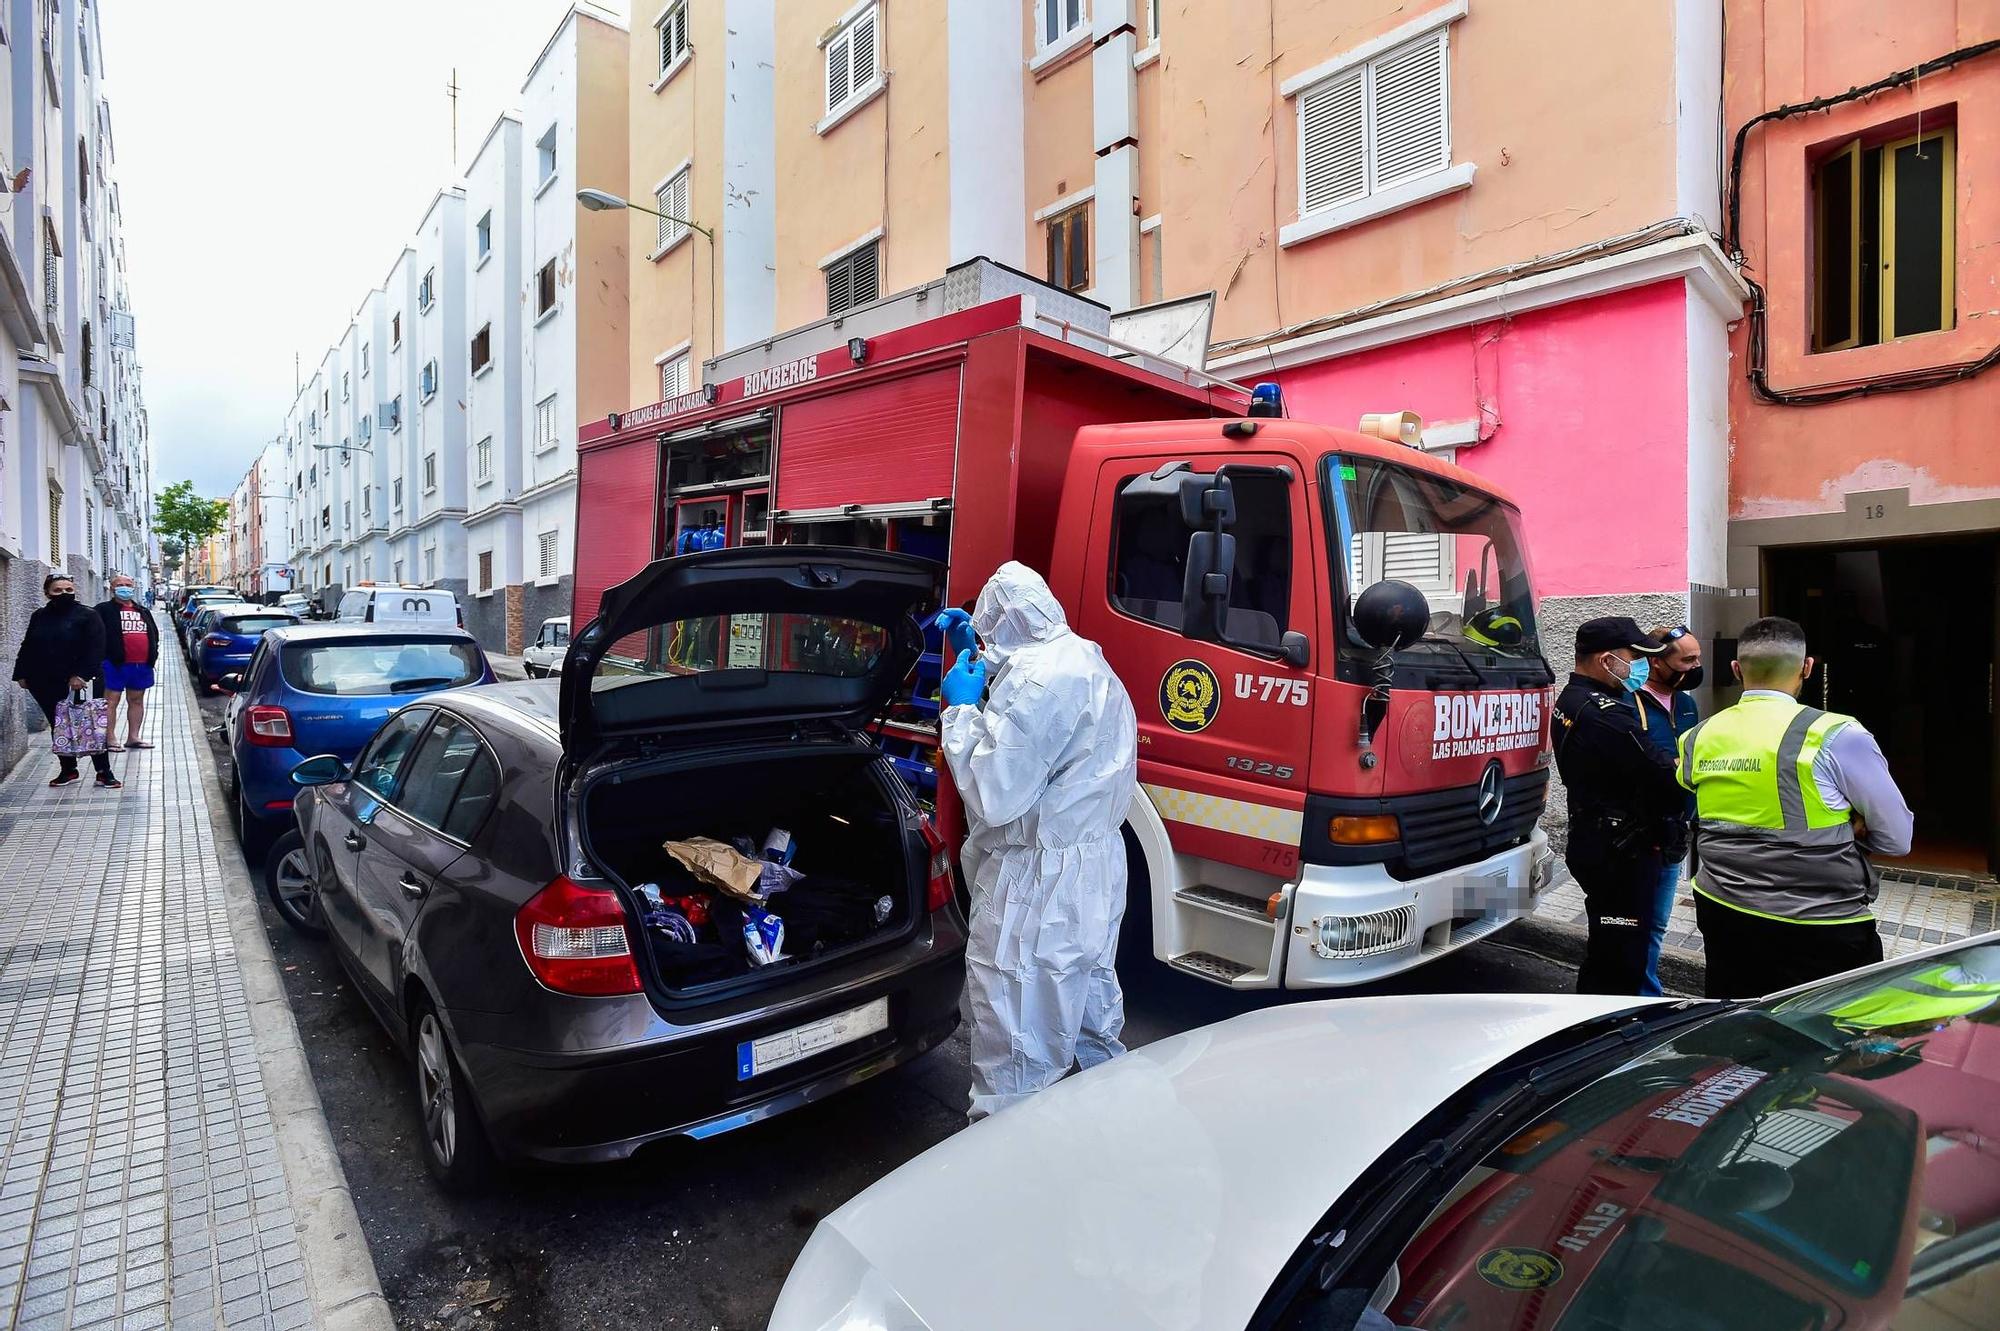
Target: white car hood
x=1166, y=1189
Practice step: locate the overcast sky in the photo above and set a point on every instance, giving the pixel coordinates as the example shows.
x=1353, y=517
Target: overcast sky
x=271, y=163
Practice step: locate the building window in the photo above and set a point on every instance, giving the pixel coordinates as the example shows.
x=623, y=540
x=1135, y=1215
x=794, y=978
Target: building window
x=545, y=424
x=367, y=500
x=326, y=400
x=548, y=554
x=1152, y=22
x=347, y=515
x=1057, y=19
x=1886, y=243
x=396, y=500
x=672, y=200
x=485, y=570
x=430, y=563
x=427, y=381
x=672, y=26
x=55, y=523
x=430, y=473
x=853, y=279
x=343, y=386
x=346, y=450
x=482, y=348
x=1153, y=258
x=483, y=458
x=325, y=522
x=545, y=157
x=545, y=289
x=1069, y=249
x=852, y=66
x=1381, y=124
x=395, y=331
x=483, y=234
x=364, y=359
x=427, y=291
x=674, y=380
x=397, y=571
x=393, y=413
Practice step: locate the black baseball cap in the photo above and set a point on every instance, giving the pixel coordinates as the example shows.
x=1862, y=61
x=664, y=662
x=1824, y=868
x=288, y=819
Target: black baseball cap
x=1613, y=632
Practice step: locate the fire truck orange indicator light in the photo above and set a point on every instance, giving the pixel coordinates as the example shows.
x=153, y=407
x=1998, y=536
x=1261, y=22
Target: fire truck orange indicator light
x=1363, y=829
x=1533, y=1137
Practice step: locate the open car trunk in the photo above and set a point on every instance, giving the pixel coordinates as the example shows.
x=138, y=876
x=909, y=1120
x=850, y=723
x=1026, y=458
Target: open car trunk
x=861, y=868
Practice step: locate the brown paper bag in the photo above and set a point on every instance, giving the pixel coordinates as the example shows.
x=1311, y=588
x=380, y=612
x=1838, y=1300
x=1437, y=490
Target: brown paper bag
x=719, y=865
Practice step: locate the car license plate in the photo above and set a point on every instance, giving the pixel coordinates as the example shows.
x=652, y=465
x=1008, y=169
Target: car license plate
x=755, y=1057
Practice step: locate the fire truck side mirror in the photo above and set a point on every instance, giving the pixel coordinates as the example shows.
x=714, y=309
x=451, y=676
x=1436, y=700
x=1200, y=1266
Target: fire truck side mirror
x=1211, y=555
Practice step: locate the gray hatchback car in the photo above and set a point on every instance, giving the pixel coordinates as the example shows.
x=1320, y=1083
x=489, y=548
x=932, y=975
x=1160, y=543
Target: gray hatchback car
x=492, y=868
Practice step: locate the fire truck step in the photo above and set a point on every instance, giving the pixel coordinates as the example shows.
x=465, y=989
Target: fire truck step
x=1232, y=904
x=1208, y=966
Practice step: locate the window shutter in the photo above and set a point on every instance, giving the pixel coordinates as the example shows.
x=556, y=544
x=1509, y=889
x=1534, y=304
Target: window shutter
x=867, y=278
x=837, y=82
x=861, y=38
x=1079, y=249
x=1333, y=157
x=1418, y=558
x=1412, y=136
x=839, y=287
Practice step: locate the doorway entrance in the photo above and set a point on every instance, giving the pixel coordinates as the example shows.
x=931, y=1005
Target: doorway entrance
x=1904, y=635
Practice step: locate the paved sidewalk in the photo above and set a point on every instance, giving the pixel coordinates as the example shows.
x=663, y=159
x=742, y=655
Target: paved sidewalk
x=1915, y=910
x=158, y=1161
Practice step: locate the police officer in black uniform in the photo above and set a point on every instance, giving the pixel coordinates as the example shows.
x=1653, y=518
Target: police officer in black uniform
x=1624, y=802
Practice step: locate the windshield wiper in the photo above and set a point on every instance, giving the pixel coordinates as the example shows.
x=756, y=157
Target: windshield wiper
x=412, y=685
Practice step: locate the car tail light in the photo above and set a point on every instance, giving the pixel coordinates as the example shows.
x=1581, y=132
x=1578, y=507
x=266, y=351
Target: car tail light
x=276, y=806
x=216, y=640
x=270, y=727
x=573, y=939
x=940, y=889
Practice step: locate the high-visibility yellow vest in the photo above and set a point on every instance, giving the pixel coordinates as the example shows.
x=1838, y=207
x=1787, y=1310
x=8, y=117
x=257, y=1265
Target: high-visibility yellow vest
x=1925, y=998
x=1767, y=841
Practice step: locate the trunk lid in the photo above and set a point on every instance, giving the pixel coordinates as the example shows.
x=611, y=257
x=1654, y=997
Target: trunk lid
x=747, y=637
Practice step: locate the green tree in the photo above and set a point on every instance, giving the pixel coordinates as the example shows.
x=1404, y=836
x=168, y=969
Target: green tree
x=171, y=550
x=180, y=514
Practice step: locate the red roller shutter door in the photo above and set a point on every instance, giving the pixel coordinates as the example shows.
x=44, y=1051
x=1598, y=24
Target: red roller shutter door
x=886, y=443
x=616, y=491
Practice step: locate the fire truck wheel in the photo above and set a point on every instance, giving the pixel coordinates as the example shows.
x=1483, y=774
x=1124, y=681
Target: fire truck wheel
x=1135, y=935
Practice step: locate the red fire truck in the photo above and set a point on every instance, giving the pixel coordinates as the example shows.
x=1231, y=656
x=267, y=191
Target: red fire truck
x=1330, y=793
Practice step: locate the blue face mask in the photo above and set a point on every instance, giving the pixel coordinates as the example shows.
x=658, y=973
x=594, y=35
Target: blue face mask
x=123, y=593
x=1636, y=674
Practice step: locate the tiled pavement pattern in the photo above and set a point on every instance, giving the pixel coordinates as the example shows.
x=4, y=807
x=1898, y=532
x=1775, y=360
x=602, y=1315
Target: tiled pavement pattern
x=140, y=1179
x=1915, y=910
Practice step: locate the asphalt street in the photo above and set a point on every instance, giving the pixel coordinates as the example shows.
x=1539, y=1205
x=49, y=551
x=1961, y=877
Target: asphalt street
x=687, y=1234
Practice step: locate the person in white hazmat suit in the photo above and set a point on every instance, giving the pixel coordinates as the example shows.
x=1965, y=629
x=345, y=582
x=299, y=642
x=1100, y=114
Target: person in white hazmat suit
x=1047, y=769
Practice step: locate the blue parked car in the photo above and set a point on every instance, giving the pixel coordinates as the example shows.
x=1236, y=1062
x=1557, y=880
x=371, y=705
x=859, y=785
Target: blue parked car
x=190, y=611
x=226, y=634
x=325, y=688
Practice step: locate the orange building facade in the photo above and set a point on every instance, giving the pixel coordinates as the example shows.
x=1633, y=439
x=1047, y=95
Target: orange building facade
x=1864, y=483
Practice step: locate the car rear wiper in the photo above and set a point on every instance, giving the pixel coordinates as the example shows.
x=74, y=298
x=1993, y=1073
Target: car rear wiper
x=412, y=685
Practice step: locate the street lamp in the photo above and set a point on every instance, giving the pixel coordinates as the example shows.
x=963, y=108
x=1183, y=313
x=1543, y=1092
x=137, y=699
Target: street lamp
x=600, y=201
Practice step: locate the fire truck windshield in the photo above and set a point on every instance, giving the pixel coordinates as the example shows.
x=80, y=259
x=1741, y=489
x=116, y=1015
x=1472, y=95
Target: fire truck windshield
x=1460, y=547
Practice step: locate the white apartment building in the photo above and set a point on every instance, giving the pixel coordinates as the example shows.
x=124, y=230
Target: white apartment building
x=75, y=455
x=436, y=442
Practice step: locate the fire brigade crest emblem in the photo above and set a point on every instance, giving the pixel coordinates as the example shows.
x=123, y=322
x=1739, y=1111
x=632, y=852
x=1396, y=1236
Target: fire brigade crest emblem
x=1189, y=696
x=1519, y=1268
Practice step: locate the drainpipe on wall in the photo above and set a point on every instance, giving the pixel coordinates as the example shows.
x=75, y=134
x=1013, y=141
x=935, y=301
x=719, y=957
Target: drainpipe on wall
x=1114, y=259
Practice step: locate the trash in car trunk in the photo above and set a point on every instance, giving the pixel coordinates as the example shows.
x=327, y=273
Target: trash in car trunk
x=855, y=876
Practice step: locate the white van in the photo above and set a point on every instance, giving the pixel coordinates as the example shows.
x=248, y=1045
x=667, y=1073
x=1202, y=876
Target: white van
x=387, y=603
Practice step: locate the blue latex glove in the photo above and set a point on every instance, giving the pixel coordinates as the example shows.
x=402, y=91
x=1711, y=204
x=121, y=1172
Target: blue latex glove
x=965, y=684
x=956, y=626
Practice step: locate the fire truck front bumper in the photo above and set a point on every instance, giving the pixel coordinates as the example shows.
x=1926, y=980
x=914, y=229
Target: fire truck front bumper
x=1355, y=923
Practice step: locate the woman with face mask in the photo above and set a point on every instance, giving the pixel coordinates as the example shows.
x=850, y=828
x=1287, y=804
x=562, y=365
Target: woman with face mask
x=62, y=653
x=131, y=651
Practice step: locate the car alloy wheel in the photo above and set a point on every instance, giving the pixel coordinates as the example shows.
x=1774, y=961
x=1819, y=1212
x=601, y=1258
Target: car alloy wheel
x=292, y=881
x=434, y=1091
x=454, y=1142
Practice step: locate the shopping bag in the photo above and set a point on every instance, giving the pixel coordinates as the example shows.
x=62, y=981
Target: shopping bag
x=83, y=725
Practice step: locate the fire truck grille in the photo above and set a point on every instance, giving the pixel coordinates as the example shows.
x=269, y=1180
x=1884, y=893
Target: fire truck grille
x=1443, y=829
